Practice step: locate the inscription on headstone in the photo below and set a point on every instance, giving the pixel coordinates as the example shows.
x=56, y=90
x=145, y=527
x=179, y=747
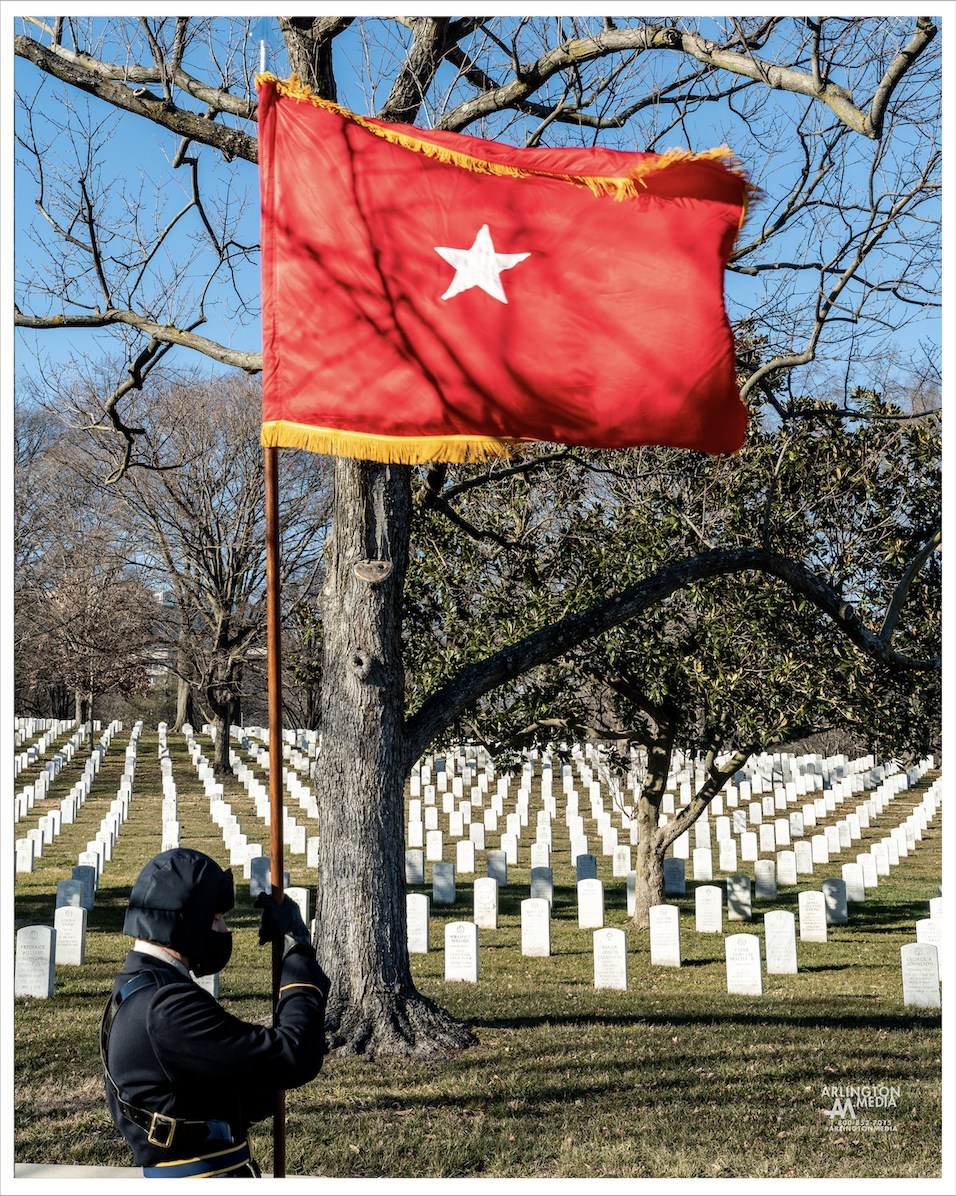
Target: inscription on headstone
x=35, y=962
x=69, y=922
x=610, y=958
x=708, y=910
x=742, y=953
x=812, y=908
x=920, y=964
x=461, y=951
x=486, y=902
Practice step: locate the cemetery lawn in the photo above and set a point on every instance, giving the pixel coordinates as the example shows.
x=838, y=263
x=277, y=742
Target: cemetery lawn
x=673, y=1078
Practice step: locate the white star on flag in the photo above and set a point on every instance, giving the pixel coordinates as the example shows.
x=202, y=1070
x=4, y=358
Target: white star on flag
x=479, y=266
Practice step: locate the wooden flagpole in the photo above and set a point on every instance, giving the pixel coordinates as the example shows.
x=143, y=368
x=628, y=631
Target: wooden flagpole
x=274, y=672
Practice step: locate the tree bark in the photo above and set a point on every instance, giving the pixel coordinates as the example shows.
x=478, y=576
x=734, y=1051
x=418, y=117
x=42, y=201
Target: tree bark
x=185, y=704
x=374, y=1007
x=649, y=868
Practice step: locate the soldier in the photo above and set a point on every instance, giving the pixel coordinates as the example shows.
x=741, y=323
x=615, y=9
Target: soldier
x=184, y=1078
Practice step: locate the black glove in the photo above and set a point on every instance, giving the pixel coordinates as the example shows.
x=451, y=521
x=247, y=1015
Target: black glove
x=282, y=923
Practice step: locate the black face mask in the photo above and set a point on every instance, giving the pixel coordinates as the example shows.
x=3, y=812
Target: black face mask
x=213, y=955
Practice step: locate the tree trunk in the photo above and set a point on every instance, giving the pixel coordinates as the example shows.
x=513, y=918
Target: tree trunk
x=80, y=707
x=648, y=866
x=222, y=721
x=185, y=705
x=374, y=1007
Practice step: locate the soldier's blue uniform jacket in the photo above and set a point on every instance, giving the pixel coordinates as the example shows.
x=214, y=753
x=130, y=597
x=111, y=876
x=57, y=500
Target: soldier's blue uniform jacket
x=185, y=1078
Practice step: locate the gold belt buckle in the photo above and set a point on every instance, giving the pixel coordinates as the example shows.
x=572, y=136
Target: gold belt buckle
x=163, y=1120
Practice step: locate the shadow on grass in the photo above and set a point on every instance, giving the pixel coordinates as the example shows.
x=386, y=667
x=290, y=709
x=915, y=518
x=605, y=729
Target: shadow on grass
x=876, y=1022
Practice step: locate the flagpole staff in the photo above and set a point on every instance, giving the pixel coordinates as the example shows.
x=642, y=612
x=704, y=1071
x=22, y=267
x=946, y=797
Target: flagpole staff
x=274, y=676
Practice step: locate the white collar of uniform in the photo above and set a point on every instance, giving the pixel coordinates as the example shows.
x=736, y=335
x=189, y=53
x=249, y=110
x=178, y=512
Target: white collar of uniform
x=159, y=952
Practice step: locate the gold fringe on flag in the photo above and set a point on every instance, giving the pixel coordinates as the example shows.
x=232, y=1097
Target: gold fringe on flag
x=397, y=450
x=617, y=187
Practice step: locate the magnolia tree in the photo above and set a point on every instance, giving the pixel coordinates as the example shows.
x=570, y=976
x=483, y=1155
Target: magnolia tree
x=720, y=669
x=837, y=121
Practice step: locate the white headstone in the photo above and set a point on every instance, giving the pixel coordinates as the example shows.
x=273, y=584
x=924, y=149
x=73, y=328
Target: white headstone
x=739, y=902
x=535, y=926
x=443, y=884
x=542, y=883
x=300, y=896
x=748, y=847
x=434, y=846
x=930, y=930
x=868, y=865
x=742, y=953
x=703, y=864
x=920, y=964
x=765, y=880
x=69, y=921
x=486, y=902
x=812, y=908
x=803, y=854
x=585, y=866
x=540, y=854
x=496, y=864
x=674, y=882
x=727, y=855
x=610, y=958
x=786, y=867
x=509, y=845
x=35, y=964
x=853, y=879
x=780, y=942
x=665, y=935
x=621, y=860
x=465, y=857
x=590, y=904
x=86, y=875
x=418, y=915
x=708, y=909
x=69, y=892
x=209, y=983
x=259, y=872
x=834, y=894
x=461, y=951
x=415, y=867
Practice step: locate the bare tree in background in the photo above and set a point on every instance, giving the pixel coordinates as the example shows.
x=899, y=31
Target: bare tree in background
x=195, y=505
x=837, y=119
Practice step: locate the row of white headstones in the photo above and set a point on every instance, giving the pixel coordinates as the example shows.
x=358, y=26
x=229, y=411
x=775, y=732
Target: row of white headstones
x=664, y=928
x=817, y=910
x=39, y=949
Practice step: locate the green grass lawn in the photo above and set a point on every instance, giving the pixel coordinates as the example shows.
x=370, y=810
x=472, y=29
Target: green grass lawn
x=672, y=1078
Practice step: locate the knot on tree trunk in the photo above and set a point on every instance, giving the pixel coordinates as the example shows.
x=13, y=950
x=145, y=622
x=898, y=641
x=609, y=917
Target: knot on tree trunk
x=366, y=668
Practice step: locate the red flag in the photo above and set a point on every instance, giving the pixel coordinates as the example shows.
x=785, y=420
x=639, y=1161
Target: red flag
x=432, y=296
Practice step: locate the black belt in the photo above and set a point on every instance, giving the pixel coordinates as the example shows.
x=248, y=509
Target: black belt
x=160, y=1128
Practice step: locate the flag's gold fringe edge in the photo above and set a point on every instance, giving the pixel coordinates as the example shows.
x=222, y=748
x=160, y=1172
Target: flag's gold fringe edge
x=398, y=450
x=617, y=187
